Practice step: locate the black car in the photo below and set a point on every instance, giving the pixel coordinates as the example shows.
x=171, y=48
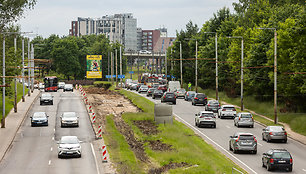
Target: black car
x=157, y=94
x=277, y=159
x=212, y=105
x=169, y=97
x=46, y=98
x=150, y=91
x=199, y=98
x=39, y=119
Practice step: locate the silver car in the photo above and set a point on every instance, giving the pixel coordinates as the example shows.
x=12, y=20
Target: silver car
x=243, y=142
x=68, y=87
x=69, y=146
x=244, y=119
x=180, y=93
x=69, y=119
x=274, y=133
x=143, y=88
x=204, y=118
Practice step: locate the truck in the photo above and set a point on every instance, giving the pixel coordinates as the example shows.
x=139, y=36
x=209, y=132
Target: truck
x=173, y=85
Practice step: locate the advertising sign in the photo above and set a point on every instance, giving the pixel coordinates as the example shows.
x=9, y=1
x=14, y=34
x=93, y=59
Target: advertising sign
x=94, y=66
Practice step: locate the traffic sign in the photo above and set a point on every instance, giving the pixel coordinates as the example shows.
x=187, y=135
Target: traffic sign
x=131, y=72
x=114, y=76
x=168, y=75
x=173, y=77
x=121, y=76
x=108, y=76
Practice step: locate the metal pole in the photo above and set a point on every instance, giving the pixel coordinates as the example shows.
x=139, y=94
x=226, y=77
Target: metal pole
x=120, y=54
x=139, y=77
x=15, y=80
x=196, y=68
x=108, y=65
x=112, y=68
x=116, y=68
x=166, y=64
x=3, y=83
x=171, y=65
x=23, y=90
x=32, y=68
x=242, y=107
x=181, y=62
x=216, y=40
x=275, y=77
x=29, y=70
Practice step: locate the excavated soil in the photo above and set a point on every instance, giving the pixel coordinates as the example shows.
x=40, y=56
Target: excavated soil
x=147, y=127
x=159, y=146
x=167, y=167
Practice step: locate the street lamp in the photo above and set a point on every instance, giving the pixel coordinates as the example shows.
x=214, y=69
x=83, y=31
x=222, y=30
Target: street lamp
x=275, y=71
x=181, y=63
x=241, y=78
x=216, y=46
x=196, y=65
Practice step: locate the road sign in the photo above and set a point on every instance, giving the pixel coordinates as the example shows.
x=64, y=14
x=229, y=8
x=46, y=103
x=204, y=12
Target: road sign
x=121, y=76
x=114, y=76
x=168, y=75
x=108, y=76
x=131, y=72
x=172, y=77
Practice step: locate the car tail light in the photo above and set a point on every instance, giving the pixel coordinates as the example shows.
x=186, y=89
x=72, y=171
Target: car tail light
x=196, y=98
x=187, y=94
x=201, y=116
x=237, y=139
x=271, y=161
x=252, y=119
x=174, y=96
x=239, y=118
x=208, y=105
x=205, y=98
x=234, y=109
x=270, y=133
x=219, y=105
x=291, y=160
x=223, y=109
x=255, y=139
x=285, y=133
x=164, y=96
x=149, y=91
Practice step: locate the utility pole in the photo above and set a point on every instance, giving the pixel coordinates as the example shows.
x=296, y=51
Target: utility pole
x=108, y=65
x=196, y=68
x=116, y=69
x=112, y=68
x=217, y=88
x=3, y=83
x=29, y=68
x=15, y=80
x=32, y=68
x=120, y=67
x=171, y=65
x=181, y=64
x=166, y=68
x=23, y=90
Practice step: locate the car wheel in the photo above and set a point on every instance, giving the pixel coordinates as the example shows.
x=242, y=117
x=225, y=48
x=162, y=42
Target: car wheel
x=235, y=151
x=71, y=90
x=263, y=138
x=41, y=103
x=192, y=103
x=62, y=125
x=63, y=90
x=195, y=123
x=289, y=169
x=252, y=126
x=59, y=156
x=153, y=97
x=238, y=125
x=174, y=103
x=230, y=147
x=263, y=164
x=269, y=168
x=80, y=156
x=285, y=141
x=215, y=125
x=51, y=103
x=255, y=152
x=32, y=125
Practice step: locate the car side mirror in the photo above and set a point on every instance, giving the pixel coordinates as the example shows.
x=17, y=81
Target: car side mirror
x=47, y=115
x=232, y=137
x=196, y=114
x=264, y=129
x=264, y=154
x=80, y=141
x=31, y=117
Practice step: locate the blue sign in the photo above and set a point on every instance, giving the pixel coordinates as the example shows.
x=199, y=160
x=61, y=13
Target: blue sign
x=173, y=77
x=108, y=76
x=168, y=75
x=121, y=76
x=114, y=76
x=131, y=72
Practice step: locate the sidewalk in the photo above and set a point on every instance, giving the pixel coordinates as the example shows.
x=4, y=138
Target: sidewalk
x=13, y=121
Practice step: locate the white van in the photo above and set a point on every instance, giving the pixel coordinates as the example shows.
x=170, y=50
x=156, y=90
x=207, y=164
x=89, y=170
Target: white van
x=173, y=85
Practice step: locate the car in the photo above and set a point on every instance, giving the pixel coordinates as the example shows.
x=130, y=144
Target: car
x=46, y=98
x=69, y=146
x=173, y=85
x=127, y=81
x=143, y=88
x=204, y=118
x=69, y=119
x=169, y=97
x=277, y=159
x=41, y=86
x=227, y=111
x=243, y=142
x=39, y=119
x=150, y=91
x=139, y=85
x=61, y=85
x=157, y=94
x=133, y=87
x=68, y=87
x=180, y=93
x=162, y=87
x=121, y=85
x=155, y=85
x=145, y=52
x=274, y=133
x=244, y=119
x=212, y=105
x=199, y=98
x=189, y=95
x=36, y=86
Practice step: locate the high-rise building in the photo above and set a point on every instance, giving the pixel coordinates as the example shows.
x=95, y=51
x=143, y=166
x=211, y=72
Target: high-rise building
x=149, y=39
x=139, y=39
x=120, y=28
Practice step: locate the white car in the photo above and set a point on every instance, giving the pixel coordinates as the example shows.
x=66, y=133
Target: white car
x=68, y=87
x=69, y=119
x=204, y=118
x=69, y=146
x=227, y=111
x=143, y=88
x=41, y=86
x=145, y=52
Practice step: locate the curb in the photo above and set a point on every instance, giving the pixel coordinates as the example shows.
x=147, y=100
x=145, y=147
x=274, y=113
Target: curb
x=24, y=116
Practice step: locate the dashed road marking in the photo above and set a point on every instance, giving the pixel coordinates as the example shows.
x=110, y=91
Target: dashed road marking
x=51, y=149
x=49, y=162
x=259, y=144
x=52, y=138
x=228, y=127
x=304, y=170
x=54, y=129
x=94, y=154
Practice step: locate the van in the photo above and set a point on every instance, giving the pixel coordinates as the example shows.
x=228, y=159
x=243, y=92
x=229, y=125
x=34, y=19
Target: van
x=173, y=85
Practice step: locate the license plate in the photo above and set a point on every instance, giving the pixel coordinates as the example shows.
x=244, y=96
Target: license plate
x=207, y=118
x=69, y=152
x=169, y=97
x=246, y=143
x=281, y=161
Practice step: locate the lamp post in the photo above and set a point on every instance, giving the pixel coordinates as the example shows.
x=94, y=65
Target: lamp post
x=196, y=65
x=216, y=46
x=181, y=63
x=275, y=72
x=3, y=83
x=241, y=77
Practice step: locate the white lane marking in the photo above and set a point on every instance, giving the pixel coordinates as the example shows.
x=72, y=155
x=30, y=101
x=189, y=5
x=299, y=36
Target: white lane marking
x=216, y=144
x=228, y=127
x=259, y=144
x=54, y=129
x=94, y=154
x=51, y=149
x=49, y=162
x=52, y=138
x=304, y=170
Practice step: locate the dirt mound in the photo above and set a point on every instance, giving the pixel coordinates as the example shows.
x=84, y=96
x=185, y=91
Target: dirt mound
x=146, y=126
x=167, y=167
x=95, y=90
x=160, y=146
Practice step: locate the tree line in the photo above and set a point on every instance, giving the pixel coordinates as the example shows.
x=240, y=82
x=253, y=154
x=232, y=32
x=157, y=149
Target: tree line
x=288, y=17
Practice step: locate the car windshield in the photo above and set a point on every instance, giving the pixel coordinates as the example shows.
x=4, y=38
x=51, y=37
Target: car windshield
x=182, y=90
x=213, y=102
x=281, y=155
x=69, y=114
x=152, y=89
x=46, y=95
x=144, y=86
x=229, y=108
x=61, y=83
x=158, y=91
x=200, y=95
x=68, y=86
x=276, y=128
x=69, y=140
x=246, y=116
x=207, y=115
x=246, y=137
x=39, y=115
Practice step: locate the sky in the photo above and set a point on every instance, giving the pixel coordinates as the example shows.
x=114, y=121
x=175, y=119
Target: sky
x=55, y=16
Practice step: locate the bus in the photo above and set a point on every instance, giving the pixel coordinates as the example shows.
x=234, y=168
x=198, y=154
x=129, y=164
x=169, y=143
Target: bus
x=51, y=84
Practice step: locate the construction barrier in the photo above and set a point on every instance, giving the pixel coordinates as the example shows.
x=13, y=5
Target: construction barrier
x=90, y=108
x=76, y=86
x=100, y=132
x=93, y=117
x=104, y=153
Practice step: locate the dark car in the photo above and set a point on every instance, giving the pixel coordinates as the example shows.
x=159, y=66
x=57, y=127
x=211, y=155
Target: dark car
x=212, y=105
x=169, y=97
x=46, y=98
x=162, y=87
x=189, y=95
x=199, y=98
x=157, y=94
x=277, y=159
x=150, y=91
x=39, y=119
x=274, y=133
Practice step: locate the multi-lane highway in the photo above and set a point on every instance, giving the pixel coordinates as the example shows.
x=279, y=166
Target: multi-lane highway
x=219, y=138
x=34, y=149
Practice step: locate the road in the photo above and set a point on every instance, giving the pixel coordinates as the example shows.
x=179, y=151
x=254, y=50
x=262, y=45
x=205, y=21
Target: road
x=34, y=150
x=219, y=138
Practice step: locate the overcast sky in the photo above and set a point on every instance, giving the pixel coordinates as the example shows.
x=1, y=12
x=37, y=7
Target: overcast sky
x=55, y=16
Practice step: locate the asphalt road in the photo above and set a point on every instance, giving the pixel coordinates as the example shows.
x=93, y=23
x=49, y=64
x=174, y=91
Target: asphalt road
x=219, y=138
x=34, y=150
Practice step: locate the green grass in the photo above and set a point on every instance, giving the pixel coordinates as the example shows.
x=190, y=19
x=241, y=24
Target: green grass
x=188, y=147
x=136, y=74
x=9, y=100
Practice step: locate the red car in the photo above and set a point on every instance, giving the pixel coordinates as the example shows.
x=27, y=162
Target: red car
x=162, y=87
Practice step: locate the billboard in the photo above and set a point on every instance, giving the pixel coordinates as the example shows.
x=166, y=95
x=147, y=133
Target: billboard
x=94, y=68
